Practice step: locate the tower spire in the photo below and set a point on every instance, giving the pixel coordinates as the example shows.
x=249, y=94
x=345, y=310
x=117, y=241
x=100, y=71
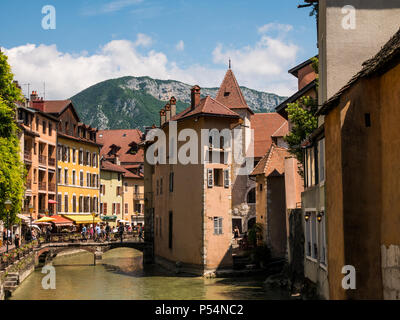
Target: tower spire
x=229, y=63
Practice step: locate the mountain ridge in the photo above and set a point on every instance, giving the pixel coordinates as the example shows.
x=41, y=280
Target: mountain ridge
x=135, y=102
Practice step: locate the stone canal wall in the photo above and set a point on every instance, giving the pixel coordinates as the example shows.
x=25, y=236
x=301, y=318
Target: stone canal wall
x=15, y=274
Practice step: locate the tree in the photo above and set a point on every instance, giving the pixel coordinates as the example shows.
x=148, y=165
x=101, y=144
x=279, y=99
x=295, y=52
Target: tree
x=302, y=116
x=12, y=172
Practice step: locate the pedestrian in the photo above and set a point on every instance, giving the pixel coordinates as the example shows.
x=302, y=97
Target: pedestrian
x=121, y=230
x=108, y=230
x=48, y=234
x=140, y=233
x=84, y=231
x=236, y=232
x=16, y=241
x=98, y=232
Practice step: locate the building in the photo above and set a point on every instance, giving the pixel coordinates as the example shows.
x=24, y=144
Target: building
x=189, y=206
x=362, y=174
x=78, y=171
x=111, y=192
x=38, y=141
x=346, y=37
x=121, y=148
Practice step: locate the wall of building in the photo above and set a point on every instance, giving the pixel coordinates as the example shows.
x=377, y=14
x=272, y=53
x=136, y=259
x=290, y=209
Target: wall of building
x=77, y=189
x=109, y=179
x=130, y=198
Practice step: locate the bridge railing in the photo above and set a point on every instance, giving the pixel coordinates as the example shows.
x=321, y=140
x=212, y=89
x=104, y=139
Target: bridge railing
x=7, y=259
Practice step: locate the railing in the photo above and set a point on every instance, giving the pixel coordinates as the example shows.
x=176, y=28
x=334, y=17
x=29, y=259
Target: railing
x=42, y=185
x=138, y=196
x=7, y=259
x=27, y=155
x=42, y=159
x=52, y=162
x=52, y=187
x=28, y=184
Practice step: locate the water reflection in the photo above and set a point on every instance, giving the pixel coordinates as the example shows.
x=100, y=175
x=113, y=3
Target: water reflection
x=120, y=275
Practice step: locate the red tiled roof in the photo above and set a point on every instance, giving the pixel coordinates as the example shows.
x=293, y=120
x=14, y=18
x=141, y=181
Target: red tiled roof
x=229, y=93
x=273, y=162
x=109, y=166
x=207, y=106
x=282, y=131
x=130, y=174
x=265, y=125
x=55, y=106
x=121, y=138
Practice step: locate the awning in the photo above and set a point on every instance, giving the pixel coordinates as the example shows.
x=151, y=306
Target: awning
x=52, y=201
x=123, y=221
x=82, y=218
x=25, y=219
x=61, y=221
x=45, y=219
x=106, y=218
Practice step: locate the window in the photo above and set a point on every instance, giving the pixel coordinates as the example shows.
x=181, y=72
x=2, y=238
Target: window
x=58, y=175
x=74, y=155
x=68, y=154
x=321, y=160
x=59, y=200
x=311, y=240
x=114, y=210
x=170, y=229
x=321, y=231
x=87, y=158
x=50, y=128
x=81, y=178
x=158, y=186
x=94, y=161
x=126, y=208
x=44, y=127
x=80, y=157
x=161, y=185
x=73, y=178
x=171, y=182
x=87, y=179
x=118, y=208
x=119, y=177
x=251, y=196
x=119, y=191
x=217, y=225
x=126, y=186
x=136, y=189
x=66, y=203
x=226, y=178
x=66, y=176
x=261, y=187
x=105, y=208
x=37, y=123
x=218, y=177
x=74, y=203
x=80, y=204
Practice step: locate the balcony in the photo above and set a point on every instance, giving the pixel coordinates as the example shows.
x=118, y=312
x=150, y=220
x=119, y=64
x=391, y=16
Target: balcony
x=27, y=156
x=52, y=162
x=28, y=184
x=42, y=186
x=138, y=196
x=52, y=187
x=42, y=159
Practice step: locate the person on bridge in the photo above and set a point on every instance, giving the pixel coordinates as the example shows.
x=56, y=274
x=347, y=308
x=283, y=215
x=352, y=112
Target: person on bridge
x=108, y=230
x=84, y=230
x=98, y=233
x=121, y=230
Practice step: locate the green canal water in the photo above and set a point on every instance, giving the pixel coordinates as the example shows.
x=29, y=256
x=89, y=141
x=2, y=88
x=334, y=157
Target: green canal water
x=120, y=275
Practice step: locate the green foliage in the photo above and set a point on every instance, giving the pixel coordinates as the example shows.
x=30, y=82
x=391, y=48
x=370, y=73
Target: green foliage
x=315, y=65
x=11, y=167
x=255, y=233
x=302, y=117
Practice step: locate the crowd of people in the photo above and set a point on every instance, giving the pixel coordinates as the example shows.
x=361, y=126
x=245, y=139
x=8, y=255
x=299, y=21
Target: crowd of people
x=101, y=232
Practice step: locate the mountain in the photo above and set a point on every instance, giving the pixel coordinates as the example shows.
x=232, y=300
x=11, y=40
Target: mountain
x=135, y=102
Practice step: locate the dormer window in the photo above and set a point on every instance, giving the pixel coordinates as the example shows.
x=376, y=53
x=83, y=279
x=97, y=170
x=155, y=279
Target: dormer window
x=226, y=94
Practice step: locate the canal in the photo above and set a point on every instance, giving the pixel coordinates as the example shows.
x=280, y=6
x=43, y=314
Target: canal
x=120, y=275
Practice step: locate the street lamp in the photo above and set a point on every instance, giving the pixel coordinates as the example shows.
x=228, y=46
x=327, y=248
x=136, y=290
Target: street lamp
x=8, y=205
x=30, y=213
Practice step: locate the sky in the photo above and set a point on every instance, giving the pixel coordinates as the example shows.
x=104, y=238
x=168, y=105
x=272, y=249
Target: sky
x=186, y=40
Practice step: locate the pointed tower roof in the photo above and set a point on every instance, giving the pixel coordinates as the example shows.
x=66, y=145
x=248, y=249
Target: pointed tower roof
x=229, y=93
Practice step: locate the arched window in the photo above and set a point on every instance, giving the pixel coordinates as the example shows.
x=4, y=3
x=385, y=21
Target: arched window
x=251, y=196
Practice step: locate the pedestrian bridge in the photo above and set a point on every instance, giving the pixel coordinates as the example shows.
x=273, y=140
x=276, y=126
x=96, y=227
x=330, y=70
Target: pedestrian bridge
x=47, y=251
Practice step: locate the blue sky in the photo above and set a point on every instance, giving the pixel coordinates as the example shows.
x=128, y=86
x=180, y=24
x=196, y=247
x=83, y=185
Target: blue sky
x=189, y=41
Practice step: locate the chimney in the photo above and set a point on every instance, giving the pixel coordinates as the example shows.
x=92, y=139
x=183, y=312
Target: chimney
x=195, y=93
x=36, y=102
x=34, y=96
x=172, y=103
x=162, y=117
x=167, y=112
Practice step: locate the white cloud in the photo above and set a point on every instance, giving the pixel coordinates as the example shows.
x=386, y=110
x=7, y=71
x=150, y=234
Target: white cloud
x=180, y=46
x=143, y=40
x=275, y=26
x=112, y=6
x=262, y=66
